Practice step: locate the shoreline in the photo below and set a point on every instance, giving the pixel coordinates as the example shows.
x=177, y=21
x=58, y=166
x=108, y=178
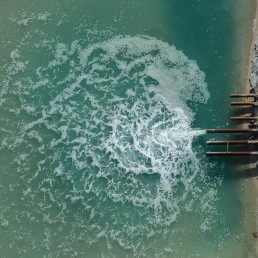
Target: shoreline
x=253, y=167
x=252, y=50
x=250, y=184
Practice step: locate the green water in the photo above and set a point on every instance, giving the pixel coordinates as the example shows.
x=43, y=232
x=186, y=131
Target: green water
x=103, y=112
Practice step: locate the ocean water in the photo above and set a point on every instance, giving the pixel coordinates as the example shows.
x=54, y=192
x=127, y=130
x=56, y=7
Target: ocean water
x=103, y=111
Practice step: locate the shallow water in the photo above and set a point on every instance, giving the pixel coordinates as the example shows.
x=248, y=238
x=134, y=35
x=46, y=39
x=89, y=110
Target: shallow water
x=103, y=111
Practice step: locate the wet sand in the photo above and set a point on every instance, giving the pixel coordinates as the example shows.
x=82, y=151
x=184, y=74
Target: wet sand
x=249, y=171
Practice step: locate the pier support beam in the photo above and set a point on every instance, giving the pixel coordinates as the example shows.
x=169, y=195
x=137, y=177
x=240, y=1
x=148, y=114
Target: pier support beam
x=232, y=131
x=233, y=153
x=233, y=142
x=244, y=103
x=243, y=118
x=243, y=95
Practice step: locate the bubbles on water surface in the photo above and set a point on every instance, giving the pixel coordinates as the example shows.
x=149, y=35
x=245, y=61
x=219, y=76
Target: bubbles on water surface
x=107, y=128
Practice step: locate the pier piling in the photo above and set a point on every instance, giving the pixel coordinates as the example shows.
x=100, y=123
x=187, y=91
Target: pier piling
x=233, y=142
x=252, y=120
x=232, y=130
x=233, y=153
x=242, y=118
x=244, y=103
x=243, y=95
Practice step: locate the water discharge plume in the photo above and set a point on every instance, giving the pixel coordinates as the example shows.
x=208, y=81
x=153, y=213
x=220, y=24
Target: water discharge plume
x=180, y=134
x=108, y=127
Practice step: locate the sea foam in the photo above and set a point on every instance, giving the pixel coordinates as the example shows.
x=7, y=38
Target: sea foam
x=108, y=126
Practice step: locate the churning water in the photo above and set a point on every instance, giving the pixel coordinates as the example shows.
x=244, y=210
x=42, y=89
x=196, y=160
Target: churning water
x=97, y=140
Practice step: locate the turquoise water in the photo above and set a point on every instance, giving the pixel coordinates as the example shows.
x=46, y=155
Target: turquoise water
x=103, y=115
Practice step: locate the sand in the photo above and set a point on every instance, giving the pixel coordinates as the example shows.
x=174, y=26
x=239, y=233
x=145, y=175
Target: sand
x=250, y=182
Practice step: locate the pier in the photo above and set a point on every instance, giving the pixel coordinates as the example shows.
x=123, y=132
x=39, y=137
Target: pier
x=243, y=96
x=244, y=103
x=232, y=131
x=242, y=118
x=232, y=142
x=252, y=129
x=233, y=153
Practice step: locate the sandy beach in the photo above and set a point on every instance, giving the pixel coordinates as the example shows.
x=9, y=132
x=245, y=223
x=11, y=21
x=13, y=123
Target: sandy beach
x=250, y=183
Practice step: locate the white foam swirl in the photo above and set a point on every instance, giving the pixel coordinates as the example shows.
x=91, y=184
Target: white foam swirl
x=109, y=126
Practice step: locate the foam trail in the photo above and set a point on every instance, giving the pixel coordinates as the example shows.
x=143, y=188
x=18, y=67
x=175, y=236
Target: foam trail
x=199, y=132
x=189, y=133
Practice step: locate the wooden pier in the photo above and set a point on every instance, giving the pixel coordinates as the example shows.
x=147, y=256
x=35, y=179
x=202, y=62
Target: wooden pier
x=243, y=118
x=233, y=142
x=244, y=103
x=232, y=131
x=252, y=130
x=233, y=153
x=243, y=95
